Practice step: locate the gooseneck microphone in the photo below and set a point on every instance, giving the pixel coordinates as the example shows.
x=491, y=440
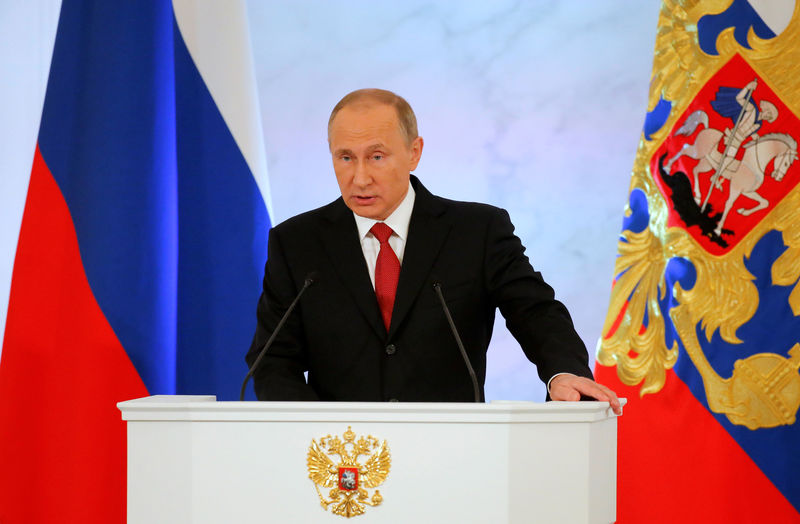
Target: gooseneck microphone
x=311, y=278
x=437, y=286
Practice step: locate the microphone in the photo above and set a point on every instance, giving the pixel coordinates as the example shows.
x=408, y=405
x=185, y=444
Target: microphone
x=311, y=278
x=437, y=286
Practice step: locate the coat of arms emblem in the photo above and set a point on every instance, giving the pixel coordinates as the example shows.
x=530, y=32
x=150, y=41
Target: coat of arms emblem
x=349, y=479
x=738, y=141
x=721, y=184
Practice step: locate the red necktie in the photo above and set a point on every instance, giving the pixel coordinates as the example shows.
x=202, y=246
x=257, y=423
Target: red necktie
x=387, y=272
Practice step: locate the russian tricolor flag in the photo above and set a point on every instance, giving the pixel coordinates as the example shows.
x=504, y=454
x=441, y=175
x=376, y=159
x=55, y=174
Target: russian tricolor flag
x=141, y=249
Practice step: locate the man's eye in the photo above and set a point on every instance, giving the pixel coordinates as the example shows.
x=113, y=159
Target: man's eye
x=346, y=158
x=377, y=157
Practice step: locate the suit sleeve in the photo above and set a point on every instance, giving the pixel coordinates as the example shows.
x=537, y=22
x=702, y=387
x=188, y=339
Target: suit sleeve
x=280, y=373
x=541, y=324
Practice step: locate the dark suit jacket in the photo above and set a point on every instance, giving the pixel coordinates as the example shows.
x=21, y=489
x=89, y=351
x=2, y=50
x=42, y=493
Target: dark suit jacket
x=336, y=332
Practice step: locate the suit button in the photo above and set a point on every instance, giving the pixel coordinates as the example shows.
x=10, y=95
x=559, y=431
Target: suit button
x=391, y=349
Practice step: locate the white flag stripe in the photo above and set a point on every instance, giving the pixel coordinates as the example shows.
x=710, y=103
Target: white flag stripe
x=225, y=62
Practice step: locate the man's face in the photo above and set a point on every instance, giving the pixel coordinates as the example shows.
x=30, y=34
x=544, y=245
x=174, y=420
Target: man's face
x=371, y=159
x=768, y=112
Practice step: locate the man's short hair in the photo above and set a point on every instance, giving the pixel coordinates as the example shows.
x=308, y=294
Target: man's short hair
x=405, y=115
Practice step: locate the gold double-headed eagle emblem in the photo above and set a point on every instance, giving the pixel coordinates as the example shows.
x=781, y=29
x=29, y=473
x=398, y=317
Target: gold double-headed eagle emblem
x=348, y=479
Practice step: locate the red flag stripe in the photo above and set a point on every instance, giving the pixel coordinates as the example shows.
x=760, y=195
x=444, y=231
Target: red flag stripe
x=670, y=439
x=62, y=442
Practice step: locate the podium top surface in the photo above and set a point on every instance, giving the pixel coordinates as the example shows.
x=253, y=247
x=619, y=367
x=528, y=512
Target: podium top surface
x=207, y=408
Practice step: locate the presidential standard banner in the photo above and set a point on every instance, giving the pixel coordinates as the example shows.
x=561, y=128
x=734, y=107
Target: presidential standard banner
x=703, y=329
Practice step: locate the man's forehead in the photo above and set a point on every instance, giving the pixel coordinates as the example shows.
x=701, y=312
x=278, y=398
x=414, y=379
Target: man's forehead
x=371, y=124
x=365, y=114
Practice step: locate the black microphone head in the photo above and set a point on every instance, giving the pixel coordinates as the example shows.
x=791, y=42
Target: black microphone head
x=435, y=282
x=312, y=277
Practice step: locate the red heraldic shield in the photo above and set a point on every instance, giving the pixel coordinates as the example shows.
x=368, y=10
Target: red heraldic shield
x=348, y=478
x=730, y=158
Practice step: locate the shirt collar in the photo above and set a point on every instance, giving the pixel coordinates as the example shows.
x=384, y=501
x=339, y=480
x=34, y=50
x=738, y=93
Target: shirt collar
x=398, y=220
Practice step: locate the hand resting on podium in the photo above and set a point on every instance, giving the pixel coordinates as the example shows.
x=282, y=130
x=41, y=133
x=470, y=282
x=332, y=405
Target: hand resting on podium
x=570, y=387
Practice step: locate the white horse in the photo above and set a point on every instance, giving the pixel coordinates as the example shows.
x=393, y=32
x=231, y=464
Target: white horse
x=747, y=175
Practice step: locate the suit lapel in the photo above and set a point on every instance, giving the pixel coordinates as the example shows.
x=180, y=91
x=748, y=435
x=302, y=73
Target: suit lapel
x=426, y=234
x=340, y=237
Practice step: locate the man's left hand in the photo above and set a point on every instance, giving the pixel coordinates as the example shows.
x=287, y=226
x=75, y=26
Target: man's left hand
x=571, y=387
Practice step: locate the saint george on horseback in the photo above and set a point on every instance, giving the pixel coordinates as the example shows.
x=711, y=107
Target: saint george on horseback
x=746, y=175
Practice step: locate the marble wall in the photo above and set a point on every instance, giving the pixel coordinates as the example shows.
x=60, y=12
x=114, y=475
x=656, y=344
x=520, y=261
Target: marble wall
x=533, y=106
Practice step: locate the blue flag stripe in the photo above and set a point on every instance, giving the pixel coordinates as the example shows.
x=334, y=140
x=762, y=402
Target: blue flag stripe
x=108, y=136
x=222, y=249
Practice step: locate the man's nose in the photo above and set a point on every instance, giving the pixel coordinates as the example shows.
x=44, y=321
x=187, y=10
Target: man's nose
x=362, y=177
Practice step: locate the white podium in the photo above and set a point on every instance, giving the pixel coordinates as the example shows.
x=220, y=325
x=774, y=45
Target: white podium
x=192, y=459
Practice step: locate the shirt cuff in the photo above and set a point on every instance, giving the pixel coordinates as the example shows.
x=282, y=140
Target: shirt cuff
x=554, y=376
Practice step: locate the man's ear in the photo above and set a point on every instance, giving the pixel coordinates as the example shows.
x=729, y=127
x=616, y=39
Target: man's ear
x=416, y=152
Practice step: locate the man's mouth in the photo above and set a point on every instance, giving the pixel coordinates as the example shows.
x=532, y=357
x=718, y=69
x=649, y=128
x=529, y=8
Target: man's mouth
x=363, y=199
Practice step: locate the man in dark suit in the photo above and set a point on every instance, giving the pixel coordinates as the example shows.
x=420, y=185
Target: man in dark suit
x=371, y=327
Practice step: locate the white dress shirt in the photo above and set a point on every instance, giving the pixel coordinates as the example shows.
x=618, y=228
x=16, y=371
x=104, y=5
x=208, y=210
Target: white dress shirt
x=398, y=221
